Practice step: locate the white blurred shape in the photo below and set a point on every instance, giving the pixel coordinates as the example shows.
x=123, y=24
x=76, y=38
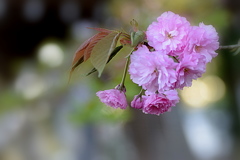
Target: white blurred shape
x=30, y=85
x=33, y=10
x=203, y=138
x=10, y=125
x=51, y=54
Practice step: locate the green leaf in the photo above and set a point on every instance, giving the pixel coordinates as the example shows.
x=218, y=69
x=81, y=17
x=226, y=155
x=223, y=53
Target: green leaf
x=102, y=51
x=114, y=52
x=137, y=37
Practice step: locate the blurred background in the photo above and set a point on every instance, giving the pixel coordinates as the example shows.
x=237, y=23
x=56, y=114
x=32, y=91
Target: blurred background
x=43, y=117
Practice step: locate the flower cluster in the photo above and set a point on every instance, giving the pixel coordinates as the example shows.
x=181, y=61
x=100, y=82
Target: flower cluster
x=174, y=53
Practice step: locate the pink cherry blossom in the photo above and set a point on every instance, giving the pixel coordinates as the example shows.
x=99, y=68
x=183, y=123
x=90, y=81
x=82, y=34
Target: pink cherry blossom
x=168, y=33
x=190, y=67
x=113, y=97
x=159, y=103
x=152, y=70
x=203, y=39
x=143, y=69
x=138, y=102
x=166, y=72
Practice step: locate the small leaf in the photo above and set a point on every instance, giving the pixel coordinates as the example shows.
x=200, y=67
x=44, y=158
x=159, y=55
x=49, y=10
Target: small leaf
x=114, y=52
x=102, y=51
x=137, y=37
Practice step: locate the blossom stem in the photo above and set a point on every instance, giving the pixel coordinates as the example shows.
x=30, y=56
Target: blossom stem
x=230, y=46
x=125, y=70
x=141, y=92
x=124, y=73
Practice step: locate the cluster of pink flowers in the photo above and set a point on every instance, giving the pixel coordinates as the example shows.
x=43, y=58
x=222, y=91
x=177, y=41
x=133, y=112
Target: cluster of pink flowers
x=173, y=55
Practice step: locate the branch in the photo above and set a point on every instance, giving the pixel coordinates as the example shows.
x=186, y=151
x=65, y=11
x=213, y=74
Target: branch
x=229, y=46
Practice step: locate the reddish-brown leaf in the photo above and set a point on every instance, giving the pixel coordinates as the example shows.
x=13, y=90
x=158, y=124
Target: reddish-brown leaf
x=84, y=51
x=92, y=43
x=101, y=29
x=80, y=51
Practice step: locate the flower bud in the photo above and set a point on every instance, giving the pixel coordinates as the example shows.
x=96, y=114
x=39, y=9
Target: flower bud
x=137, y=37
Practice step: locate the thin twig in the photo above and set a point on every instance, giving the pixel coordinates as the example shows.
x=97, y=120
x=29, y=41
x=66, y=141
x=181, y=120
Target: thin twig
x=229, y=46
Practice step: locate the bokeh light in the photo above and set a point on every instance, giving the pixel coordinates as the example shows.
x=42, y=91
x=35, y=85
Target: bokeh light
x=204, y=91
x=51, y=54
x=215, y=88
x=30, y=85
x=203, y=137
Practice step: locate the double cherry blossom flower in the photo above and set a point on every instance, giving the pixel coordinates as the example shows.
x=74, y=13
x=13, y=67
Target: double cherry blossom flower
x=174, y=54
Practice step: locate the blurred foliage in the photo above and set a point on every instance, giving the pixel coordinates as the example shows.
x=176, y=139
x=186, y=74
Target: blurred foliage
x=10, y=100
x=94, y=112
